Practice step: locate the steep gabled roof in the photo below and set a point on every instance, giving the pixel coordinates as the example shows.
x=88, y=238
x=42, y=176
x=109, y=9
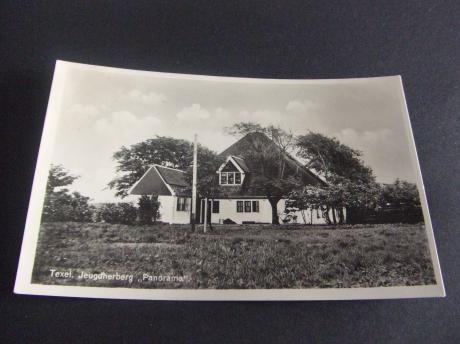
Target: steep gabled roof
x=172, y=176
x=240, y=161
x=161, y=180
x=240, y=148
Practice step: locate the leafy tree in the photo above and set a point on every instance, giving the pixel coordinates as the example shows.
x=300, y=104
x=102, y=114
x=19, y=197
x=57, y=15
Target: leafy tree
x=58, y=177
x=351, y=184
x=331, y=159
x=133, y=161
x=336, y=196
x=400, y=202
x=401, y=192
x=269, y=151
x=59, y=203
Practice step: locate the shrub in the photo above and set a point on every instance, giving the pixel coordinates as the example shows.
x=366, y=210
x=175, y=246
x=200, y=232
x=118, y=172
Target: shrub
x=123, y=213
x=62, y=206
x=149, y=209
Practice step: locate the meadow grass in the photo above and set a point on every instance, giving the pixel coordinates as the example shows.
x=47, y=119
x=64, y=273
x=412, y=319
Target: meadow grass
x=232, y=256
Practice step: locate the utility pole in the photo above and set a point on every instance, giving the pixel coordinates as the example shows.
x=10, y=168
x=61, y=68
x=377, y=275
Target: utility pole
x=195, y=158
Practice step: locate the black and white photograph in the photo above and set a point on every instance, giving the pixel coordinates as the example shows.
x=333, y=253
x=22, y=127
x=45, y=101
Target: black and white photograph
x=172, y=186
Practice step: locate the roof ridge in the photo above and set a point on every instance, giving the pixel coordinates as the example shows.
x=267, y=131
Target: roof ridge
x=170, y=168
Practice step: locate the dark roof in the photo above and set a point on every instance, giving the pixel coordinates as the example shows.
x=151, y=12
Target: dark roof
x=172, y=176
x=240, y=161
x=150, y=183
x=247, y=143
x=157, y=179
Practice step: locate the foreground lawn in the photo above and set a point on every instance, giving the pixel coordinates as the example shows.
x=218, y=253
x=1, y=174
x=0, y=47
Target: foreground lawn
x=248, y=256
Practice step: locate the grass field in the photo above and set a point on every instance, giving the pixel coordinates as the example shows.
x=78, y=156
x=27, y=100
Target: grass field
x=248, y=256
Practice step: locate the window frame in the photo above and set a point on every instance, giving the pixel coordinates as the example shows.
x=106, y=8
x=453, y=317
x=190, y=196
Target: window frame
x=255, y=206
x=247, y=205
x=239, y=206
x=232, y=176
x=214, y=203
x=183, y=204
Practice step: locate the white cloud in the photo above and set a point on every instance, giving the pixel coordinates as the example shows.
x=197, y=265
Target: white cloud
x=193, y=113
x=148, y=98
x=381, y=150
x=83, y=110
x=123, y=127
x=301, y=106
x=363, y=139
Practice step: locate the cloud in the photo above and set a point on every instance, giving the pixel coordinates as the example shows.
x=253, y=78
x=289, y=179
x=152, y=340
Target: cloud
x=383, y=150
x=148, y=98
x=83, y=110
x=193, y=113
x=298, y=106
x=124, y=127
x=363, y=139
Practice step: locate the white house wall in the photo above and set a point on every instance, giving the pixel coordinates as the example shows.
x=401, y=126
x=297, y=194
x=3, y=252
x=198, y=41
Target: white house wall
x=169, y=212
x=228, y=211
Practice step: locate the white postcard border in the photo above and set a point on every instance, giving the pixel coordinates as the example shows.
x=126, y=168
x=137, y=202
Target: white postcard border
x=23, y=283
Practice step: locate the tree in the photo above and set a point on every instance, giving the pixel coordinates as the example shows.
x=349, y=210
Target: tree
x=399, y=202
x=401, y=193
x=331, y=159
x=269, y=153
x=59, y=203
x=134, y=161
x=350, y=184
x=58, y=177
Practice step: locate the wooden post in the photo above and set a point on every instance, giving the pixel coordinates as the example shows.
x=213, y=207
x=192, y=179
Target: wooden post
x=205, y=221
x=195, y=155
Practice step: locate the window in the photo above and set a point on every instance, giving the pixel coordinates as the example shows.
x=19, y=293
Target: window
x=247, y=206
x=230, y=178
x=237, y=178
x=183, y=204
x=215, y=207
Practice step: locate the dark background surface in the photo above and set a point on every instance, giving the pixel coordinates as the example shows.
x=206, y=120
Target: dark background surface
x=273, y=39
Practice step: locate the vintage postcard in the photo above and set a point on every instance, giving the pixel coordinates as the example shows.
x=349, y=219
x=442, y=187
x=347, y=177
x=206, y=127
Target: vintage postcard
x=183, y=187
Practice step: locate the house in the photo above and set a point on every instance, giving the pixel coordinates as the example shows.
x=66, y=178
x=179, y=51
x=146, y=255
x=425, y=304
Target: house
x=235, y=199
x=170, y=185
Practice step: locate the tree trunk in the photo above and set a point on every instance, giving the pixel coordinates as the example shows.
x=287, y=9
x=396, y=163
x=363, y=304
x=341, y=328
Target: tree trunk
x=341, y=217
x=334, y=218
x=325, y=211
x=274, y=203
x=302, y=212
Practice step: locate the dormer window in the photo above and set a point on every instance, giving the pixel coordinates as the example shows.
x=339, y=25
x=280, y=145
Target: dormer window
x=232, y=171
x=230, y=178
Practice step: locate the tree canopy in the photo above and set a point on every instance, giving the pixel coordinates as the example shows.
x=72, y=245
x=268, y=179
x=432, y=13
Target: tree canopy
x=207, y=178
x=133, y=161
x=59, y=203
x=331, y=159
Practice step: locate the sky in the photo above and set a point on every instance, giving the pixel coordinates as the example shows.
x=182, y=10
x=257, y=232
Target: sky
x=104, y=109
